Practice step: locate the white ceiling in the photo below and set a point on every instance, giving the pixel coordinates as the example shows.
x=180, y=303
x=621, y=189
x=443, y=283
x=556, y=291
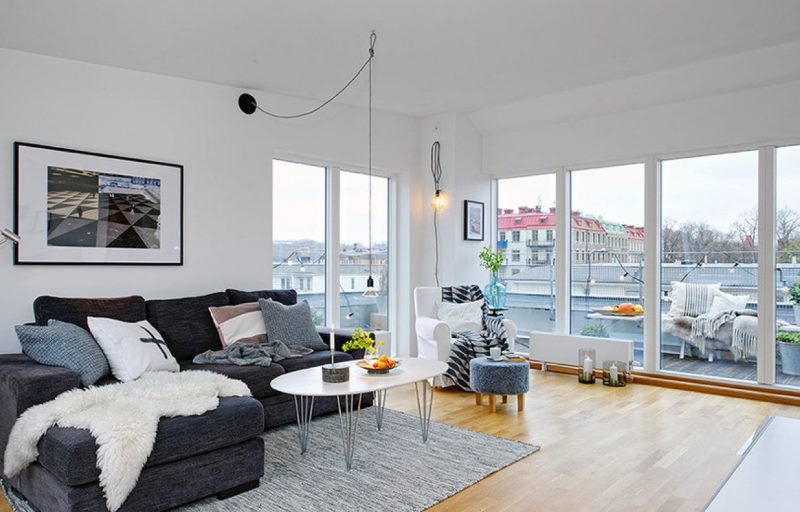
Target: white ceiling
x=431, y=56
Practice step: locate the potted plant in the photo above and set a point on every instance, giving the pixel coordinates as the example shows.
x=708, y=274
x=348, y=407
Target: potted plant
x=362, y=340
x=494, y=292
x=794, y=298
x=595, y=330
x=789, y=351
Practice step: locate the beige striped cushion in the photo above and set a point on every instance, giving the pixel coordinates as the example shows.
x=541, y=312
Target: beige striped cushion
x=243, y=323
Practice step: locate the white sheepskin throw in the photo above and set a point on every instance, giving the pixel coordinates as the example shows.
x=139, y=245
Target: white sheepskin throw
x=123, y=418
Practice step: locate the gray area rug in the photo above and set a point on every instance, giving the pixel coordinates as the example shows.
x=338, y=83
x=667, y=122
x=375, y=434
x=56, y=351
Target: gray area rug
x=392, y=469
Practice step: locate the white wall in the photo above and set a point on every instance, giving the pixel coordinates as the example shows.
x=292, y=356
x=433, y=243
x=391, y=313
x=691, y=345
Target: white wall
x=742, y=99
x=227, y=160
x=462, y=178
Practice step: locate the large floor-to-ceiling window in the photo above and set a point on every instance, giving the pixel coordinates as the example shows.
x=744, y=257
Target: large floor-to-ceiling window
x=354, y=256
x=299, y=232
x=709, y=265
x=316, y=208
x=607, y=253
x=787, y=246
x=526, y=226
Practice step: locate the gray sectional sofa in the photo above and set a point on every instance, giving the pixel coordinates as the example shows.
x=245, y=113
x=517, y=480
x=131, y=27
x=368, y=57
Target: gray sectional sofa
x=218, y=453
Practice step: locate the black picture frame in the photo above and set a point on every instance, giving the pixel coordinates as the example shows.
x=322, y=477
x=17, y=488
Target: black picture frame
x=154, y=231
x=474, y=221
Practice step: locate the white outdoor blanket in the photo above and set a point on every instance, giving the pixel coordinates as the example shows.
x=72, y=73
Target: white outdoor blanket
x=123, y=418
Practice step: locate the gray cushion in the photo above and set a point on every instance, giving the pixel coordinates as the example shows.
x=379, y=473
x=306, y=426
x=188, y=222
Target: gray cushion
x=186, y=323
x=257, y=378
x=75, y=311
x=66, y=345
x=292, y=325
x=288, y=297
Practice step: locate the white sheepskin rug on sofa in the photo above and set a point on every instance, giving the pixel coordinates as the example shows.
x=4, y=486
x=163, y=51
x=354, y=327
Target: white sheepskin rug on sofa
x=123, y=418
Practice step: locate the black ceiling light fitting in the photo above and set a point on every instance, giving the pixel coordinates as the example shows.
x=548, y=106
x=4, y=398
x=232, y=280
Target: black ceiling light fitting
x=247, y=103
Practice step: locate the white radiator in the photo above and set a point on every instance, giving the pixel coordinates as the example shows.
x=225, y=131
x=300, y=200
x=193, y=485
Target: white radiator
x=563, y=348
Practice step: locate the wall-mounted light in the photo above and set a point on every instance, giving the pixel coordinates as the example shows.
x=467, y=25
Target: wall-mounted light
x=439, y=201
x=6, y=235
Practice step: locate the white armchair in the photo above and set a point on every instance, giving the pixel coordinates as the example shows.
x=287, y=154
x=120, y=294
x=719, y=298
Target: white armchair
x=433, y=335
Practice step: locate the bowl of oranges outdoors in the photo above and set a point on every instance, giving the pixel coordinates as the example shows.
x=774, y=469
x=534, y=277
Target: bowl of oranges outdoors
x=379, y=366
x=624, y=309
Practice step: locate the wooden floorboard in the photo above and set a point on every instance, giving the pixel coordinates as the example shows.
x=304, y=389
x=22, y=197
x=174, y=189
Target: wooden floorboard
x=603, y=449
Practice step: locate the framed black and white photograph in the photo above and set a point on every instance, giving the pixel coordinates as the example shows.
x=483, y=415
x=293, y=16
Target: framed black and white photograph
x=473, y=220
x=75, y=207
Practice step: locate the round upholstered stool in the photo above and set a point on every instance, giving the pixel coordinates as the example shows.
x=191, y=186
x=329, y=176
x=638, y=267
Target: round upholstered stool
x=487, y=377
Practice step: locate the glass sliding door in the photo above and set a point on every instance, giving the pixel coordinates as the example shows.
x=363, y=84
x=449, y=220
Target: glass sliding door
x=607, y=253
x=526, y=227
x=787, y=237
x=298, y=232
x=355, y=310
x=709, y=265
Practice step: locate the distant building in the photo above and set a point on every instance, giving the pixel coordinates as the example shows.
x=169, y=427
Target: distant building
x=528, y=236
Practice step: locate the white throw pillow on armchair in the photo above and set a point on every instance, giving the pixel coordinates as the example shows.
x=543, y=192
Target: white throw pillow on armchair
x=131, y=348
x=467, y=316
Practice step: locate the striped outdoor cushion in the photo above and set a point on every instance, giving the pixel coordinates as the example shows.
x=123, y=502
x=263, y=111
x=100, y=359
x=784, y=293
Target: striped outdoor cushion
x=690, y=299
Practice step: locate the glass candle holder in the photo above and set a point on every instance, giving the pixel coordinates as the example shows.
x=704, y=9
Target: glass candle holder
x=614, y=373
x=586, y=362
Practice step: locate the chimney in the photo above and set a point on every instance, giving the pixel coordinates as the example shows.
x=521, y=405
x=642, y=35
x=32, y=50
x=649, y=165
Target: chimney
x=524, y=209
x=552, y=209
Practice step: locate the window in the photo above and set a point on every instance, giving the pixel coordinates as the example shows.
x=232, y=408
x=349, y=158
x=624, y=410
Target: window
x=354, y=263
x=298, y=231
x=708, y=249
x=515, y=255
x=515, y=236
x=604, y=202
x=787, y=246
x=502, y=236
x=530, y=291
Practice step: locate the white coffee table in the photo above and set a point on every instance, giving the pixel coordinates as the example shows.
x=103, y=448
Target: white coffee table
x=307, y=384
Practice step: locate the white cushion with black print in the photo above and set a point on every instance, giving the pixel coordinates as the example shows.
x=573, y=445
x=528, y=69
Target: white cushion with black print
x=131, y=348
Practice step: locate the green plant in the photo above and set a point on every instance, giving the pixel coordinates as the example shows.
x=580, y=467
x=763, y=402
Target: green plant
x=788, y=337
x=595, y=330
x=794, y=293
x=492, y=260
x=361, y=340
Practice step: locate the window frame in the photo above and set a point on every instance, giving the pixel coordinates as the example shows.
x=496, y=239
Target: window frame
x=333, y=171
x=767, y=204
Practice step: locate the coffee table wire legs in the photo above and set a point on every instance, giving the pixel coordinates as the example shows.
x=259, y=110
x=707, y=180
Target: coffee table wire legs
x=380, y=406
x=348, y=420
x=304, y=408
x=424, y=406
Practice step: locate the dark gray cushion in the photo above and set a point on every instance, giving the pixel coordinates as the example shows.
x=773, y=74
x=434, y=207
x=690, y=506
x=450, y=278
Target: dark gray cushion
x=287, y=297
x=292, y=325
x=186, y=324
x=257, y=378
x=67, y=345
x=75, y=311
x=313, y=359
x=70, y=454
x=25, y=383
x=158, y=488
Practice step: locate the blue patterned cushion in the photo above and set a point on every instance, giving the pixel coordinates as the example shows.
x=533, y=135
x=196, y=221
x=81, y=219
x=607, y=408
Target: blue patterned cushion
x=292, y=325
x=66, y=345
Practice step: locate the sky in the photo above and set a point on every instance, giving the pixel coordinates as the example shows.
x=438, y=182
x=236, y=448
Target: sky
x=298, y=205
x=716, y=189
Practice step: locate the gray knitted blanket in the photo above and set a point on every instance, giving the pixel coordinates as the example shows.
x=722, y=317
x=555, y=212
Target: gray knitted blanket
x=244, y=354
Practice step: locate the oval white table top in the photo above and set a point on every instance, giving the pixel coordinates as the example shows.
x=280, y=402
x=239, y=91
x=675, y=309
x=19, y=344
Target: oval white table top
x=309, y=382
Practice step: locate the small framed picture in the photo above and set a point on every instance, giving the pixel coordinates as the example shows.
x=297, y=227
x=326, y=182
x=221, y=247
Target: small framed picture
x=473, y=220
x=75, y=207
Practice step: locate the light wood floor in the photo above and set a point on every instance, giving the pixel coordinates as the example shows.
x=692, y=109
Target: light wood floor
x=634, y=448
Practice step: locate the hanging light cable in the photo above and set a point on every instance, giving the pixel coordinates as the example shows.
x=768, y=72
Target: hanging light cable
x=370, y=291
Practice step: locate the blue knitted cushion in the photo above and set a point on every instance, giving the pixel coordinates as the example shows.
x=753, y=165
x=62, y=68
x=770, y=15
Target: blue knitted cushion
x=66, y=345
x=292, y=325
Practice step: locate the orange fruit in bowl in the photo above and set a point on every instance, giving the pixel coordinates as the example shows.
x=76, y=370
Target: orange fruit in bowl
x=626, y=307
